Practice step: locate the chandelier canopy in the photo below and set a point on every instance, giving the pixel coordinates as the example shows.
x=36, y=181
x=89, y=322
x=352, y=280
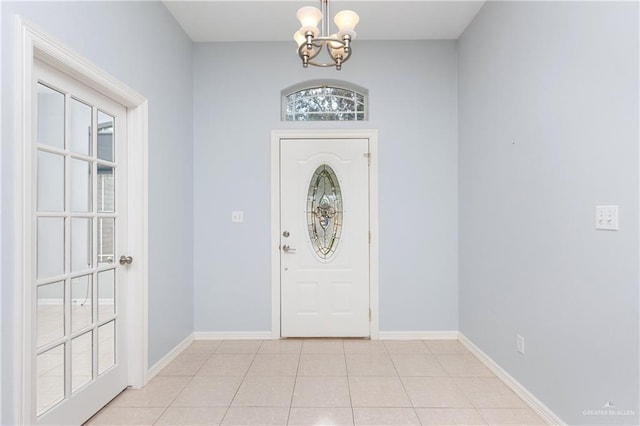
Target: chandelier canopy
x=312, y=41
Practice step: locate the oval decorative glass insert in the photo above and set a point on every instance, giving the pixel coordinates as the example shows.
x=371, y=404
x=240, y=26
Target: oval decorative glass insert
x=324, y=211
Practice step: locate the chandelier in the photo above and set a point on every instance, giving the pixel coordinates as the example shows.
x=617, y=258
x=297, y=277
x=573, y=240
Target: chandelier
x=312, y=42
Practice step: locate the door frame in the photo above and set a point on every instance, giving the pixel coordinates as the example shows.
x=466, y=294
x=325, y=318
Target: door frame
x=34, y=43
x=276, y=137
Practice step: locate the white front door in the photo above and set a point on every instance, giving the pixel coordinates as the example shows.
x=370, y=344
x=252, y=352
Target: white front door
x=79, y=224
x=324, y=237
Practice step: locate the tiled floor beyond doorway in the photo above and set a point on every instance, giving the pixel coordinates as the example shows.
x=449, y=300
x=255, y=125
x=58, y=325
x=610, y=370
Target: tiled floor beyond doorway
x=321, y=382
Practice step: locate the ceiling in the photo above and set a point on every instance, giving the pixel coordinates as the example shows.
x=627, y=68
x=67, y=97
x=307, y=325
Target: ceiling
x=245, y=20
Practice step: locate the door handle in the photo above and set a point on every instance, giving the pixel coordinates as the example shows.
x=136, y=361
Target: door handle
x=288, y=249
x=126, y=260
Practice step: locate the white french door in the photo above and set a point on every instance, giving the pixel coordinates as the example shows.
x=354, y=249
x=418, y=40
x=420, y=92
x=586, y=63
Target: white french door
x=324, y=237
x=79, y=226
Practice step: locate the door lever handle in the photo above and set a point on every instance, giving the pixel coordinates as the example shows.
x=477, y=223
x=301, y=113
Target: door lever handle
x=288, y=249
x=126, y=260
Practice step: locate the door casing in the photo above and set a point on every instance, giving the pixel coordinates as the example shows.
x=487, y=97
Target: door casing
x=34, y=43
x=276, y=137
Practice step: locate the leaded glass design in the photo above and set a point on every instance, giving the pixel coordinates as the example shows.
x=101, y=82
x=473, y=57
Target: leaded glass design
x=325, y=103
x=324, y=211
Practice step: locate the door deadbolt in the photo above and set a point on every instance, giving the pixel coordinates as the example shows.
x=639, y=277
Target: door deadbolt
x=286, y=234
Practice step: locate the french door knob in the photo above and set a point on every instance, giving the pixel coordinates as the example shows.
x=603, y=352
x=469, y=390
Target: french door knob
x=126, y=260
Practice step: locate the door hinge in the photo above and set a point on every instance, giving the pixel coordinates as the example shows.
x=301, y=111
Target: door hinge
x=368, y=156
x=369, y=237
x=369, y=314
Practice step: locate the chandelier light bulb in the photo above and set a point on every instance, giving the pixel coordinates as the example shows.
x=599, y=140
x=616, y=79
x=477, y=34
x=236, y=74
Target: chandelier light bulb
x=309, y=17
x=346, y=20
x=335, y=44
x=299, y=38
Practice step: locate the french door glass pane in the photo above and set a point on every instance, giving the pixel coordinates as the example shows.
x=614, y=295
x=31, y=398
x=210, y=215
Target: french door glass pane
x=106, y=189
x=81, y=302
x=50, y=313
x=50, y=182
x=81, y=360
x=80, y=244
x=50, y=117
x=106, y=346
x=105, y=137
x=106, y=229
x=80, y=184
x=79, y=127
x=50, y=368
x=106, y=294
x=50, y=242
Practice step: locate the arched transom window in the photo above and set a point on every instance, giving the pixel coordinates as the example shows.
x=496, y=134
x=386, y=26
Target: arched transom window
x=325, y=100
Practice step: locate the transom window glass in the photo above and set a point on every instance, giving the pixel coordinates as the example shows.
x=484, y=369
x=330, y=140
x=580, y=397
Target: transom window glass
x=324, y=101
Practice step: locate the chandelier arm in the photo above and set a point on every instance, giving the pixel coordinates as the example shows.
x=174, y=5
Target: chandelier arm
x=311, y=54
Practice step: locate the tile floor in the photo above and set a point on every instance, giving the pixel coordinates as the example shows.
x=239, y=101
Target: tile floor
x=321, y=382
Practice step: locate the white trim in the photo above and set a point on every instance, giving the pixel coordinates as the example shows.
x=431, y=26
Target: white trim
x=372, y=136
x=419, y=335
x=33, y=43
x=166, y=360
x=233, y=335
x=534, y=403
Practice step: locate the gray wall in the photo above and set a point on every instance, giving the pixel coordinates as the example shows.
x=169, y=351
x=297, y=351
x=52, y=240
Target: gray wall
x=413, y=99
x=140, y=44
x=548, y=110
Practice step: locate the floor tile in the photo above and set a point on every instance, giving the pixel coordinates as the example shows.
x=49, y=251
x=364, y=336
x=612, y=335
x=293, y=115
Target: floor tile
x=356, y=346
x=322, y=346
x=239, y=346
x=446, y=347
x=226, y=365
x=284, y=346
x=185, y=364
x=510, y=416
x=378, y=392
x=488, y=392
x=159, y=392
x=183, y=416
x=252, y=416
x=265, y=392
x=321, y=392
x=322, y=365
x=203, y=346
x=385, y=416
x=449, y=416
x=332, y=416
x=274, y=365
x=208, y=391
x=438, y=392
x=126, y=416
x=370, y=364
x=461, y=365
x=417, y=365
x=406, y=347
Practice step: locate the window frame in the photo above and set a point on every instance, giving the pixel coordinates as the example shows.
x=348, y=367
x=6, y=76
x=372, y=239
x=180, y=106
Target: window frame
x=315, y=84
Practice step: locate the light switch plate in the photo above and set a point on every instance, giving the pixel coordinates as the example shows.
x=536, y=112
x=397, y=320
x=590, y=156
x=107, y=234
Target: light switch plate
x=237, y=217
x=607, y=218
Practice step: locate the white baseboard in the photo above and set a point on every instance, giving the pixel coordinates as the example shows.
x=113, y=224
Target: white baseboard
x=173, y=353
x=536, y=405
x=232, y=335
x=418, y=335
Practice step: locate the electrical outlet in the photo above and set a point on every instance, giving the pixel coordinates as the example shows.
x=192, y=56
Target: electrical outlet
x=520, y=344
x=237, y=216
x=607, y=218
